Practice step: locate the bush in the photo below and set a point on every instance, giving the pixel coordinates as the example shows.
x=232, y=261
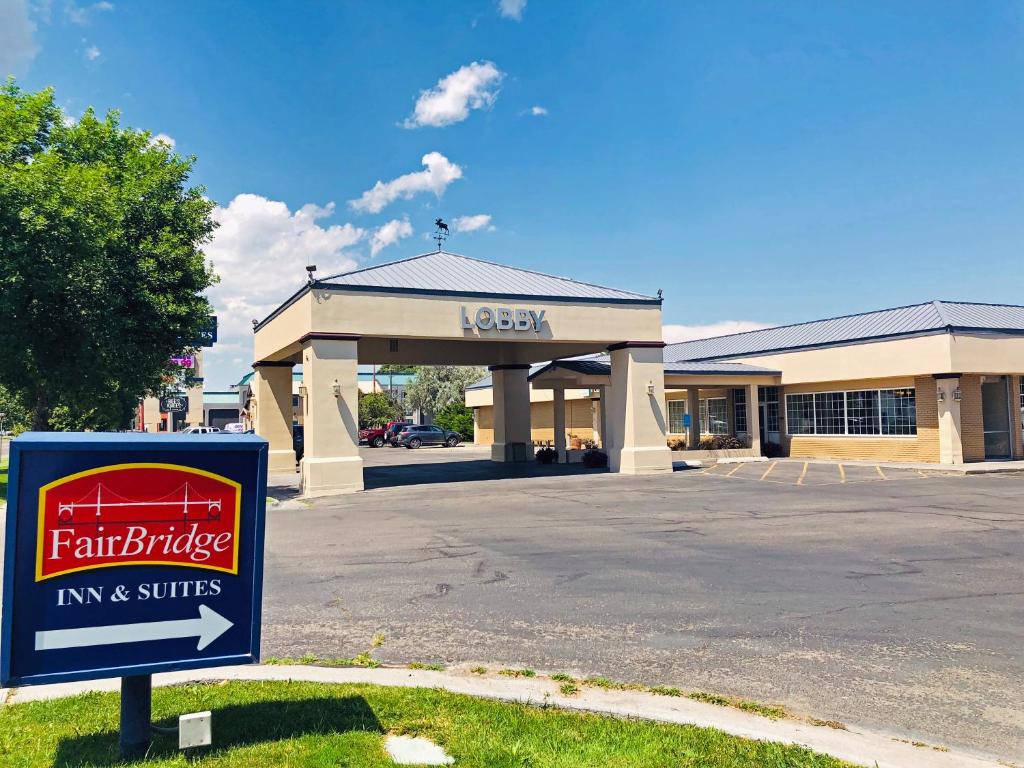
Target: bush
x=547, y=455
x=676, y=444
x=595, y=459
x=456, y=417
x=721, y=443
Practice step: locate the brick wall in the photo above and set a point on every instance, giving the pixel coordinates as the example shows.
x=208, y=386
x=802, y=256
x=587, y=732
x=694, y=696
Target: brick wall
x=972, y=428
x=579, y=421
x=923, y=447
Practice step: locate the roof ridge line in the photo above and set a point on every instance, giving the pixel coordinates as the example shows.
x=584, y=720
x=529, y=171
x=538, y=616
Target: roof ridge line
x=378, y=266
x=544, y=274
x=942, y=313
x=805, y=322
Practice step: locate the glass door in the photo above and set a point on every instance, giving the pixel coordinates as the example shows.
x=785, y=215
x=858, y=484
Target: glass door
x=995, y=417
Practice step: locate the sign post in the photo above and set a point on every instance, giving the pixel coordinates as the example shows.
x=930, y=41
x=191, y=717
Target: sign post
x=127, y=555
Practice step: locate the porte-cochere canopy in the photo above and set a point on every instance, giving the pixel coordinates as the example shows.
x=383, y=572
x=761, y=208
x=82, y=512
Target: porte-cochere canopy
x=445, y=309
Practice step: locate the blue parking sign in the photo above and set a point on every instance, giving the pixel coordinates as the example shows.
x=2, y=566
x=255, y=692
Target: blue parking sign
x=129, y=554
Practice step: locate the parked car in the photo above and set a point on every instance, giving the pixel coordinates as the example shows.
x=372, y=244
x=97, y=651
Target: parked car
x=416, y=435
x=373, y=436
x=200, y=430
x=235, y=429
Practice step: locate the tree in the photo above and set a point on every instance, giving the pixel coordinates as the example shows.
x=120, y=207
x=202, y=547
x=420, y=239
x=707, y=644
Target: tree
x=384, y=370
x=101, y=269
x=436, y=386
x=456, y=417
x=15, y=417
x=378, y=408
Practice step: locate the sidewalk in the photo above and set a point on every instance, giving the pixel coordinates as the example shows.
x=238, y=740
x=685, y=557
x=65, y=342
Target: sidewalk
x=859, y=747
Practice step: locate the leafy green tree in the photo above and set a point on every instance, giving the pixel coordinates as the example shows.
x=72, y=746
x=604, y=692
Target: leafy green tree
x=101, y=269
x=378, y=408
x=15, y=417
x=456, y=417
x=436, y=386
x=396, y=369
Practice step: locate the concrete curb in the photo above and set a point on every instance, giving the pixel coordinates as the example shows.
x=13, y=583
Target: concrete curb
x=855, y=746
x=975, y=468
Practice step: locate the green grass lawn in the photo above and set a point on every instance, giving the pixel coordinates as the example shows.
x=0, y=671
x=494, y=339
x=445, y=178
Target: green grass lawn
x=3, y=481
x=298, y=725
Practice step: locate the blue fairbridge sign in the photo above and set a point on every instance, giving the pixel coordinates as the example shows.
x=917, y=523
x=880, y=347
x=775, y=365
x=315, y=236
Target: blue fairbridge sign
x=129, y=554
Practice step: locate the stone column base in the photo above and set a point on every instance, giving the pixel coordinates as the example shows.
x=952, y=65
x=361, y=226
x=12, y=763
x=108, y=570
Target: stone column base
x=281, y=461
x=641, y=461
x=332, y=475
x=509, y=452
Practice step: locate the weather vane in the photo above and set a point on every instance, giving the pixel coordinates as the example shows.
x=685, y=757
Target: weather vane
x=442, y=232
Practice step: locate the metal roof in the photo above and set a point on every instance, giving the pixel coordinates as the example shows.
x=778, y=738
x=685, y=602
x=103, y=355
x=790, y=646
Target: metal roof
x=913, y=320
x=451, y=274
x=601, y=366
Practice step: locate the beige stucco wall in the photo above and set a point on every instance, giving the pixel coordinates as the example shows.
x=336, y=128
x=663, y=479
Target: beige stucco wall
x=875, y=360
x=413, y=329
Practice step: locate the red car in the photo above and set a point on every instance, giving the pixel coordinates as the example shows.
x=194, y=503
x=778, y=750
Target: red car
x=377, y=436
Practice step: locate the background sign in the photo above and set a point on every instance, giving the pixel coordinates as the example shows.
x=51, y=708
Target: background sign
x=131, y=554
x=184, y=361
x=174, y=404
x=208, y=336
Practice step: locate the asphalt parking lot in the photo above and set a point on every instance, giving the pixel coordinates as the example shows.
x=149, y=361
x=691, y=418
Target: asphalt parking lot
x=889, y=599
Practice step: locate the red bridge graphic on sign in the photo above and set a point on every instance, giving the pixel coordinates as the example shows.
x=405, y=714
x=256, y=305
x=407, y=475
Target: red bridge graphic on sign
x=138, y=514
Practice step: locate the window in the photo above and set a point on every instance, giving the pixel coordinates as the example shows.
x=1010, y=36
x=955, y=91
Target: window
x=899, y=412
x=800, y=414
x=714, y=416
x=829, y=413
x=860, y=412
x=739, y=401
x=769, y=397
x=677, y=417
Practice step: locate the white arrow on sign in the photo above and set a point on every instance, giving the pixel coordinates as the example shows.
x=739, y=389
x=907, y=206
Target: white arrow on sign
x=208, y=627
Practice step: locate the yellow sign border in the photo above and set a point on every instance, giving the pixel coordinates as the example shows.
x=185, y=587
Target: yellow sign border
x=144, y=465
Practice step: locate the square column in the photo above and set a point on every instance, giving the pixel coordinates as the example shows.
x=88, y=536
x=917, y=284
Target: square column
x=951, y=446
x=636, y=410
x=511, y=413
x=559, y=407
x=272, y=420
x=331, y=462
x=753, y=419
x=693, y=408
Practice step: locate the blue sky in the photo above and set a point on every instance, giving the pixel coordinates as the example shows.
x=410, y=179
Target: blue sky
x=760, y=163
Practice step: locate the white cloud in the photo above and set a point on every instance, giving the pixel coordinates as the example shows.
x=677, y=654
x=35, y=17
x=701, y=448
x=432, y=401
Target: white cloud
x=79, y=14
x=469, y=87
x=538, y=111
x=676, y=333
x=92, y=53
x=17, y=43
x=389, y=234
x=473, y=223
x=439, y=173
x=162, y=138
x=512, y=9
x=260, y=252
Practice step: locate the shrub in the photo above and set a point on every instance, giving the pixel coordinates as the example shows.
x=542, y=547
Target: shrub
x=676, y=444
x=721, y=443
x=546, y=455
x=456, y=417
x=595, y=459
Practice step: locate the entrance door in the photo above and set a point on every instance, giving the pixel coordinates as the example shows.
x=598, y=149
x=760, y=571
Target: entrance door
x=995, y=417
